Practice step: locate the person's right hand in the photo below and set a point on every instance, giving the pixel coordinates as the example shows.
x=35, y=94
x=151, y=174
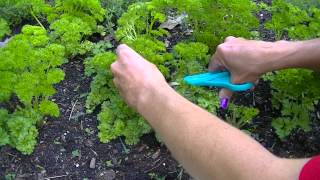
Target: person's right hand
x=245, y=59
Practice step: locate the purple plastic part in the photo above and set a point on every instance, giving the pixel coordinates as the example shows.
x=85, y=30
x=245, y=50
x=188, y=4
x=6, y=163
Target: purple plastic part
x=224, y=102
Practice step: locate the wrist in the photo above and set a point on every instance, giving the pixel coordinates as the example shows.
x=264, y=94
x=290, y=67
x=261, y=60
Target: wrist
x=281, y=56
x=153, y=96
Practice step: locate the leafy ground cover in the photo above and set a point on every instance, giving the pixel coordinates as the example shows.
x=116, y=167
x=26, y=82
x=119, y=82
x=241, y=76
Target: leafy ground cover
x=69, y=146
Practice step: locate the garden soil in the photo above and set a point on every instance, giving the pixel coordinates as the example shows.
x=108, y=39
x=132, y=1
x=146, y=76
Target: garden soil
x=70, y=149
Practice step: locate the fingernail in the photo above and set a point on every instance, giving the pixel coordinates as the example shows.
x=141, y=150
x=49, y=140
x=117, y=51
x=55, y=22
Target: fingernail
x=224, y=102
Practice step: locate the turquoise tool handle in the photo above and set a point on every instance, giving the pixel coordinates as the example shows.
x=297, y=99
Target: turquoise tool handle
x=217, y=79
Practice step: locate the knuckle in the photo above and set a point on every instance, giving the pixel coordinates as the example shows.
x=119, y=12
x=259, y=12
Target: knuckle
x=122, y=47
x=240, y=38
x=230, y=38
x=236, y=80
x=224, y=49
x=225, y=93
x=220, y=48
x=154, y=66
x=113, y=65
x=115, y=82
x=116, y=69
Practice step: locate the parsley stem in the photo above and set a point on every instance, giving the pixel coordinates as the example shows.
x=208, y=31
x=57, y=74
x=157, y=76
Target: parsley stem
x=36, y=18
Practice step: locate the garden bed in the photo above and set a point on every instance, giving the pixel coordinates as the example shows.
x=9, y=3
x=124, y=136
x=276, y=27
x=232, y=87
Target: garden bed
x=68, y=146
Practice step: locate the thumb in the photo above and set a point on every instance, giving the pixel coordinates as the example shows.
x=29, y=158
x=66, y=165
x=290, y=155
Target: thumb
x=225, y=95
x=215, y=64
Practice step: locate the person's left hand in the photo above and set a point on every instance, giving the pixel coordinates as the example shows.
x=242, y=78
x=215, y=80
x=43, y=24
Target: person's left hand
x=135, y=77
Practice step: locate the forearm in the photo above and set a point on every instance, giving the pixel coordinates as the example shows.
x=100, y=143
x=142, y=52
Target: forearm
x=300, y=54
x=205, y=145
x=208, y=147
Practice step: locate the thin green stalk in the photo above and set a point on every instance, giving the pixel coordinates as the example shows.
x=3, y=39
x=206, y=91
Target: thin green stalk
x=35, y=17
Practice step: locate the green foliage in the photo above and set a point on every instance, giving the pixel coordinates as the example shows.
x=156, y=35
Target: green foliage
x=116, y=118
x=10, y=176
x=240, y=116
x=49, y=108
x=89, y=11
x=139, y=20
x=295, y=116
x=295, y=98
x=76, y=153
x=72, y=21
x=4, y=28
x=27, y=79
x=115, y=9
x=99, y=66
x=135, y=28
x=291, y=94
x=28, y=76
x=19, y=129
x=22, y=132
x=154, y=176
x=139, y=28
x=101, y=47
x=299, y=24
x=214, y=20
x=155, y=53
x=192, y=58
x=304, y=4
x=14, y=11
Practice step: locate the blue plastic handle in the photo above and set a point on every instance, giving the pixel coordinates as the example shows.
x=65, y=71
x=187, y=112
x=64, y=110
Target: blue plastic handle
x=217, y=79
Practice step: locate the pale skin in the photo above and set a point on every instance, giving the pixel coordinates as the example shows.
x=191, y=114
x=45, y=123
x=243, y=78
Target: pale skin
x=205, y=145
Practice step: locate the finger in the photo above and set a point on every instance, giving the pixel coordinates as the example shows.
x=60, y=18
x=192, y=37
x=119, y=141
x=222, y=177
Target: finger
x=215, y=64
x=225, y=95
x=115, y=68
x=125, y=53
x=121, y=48
x=257, y=82
x=230, y=38
x=116, y=82
x=236, y=79
x=255, y=85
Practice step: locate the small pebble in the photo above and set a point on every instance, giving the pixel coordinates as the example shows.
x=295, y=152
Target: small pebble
x=141, y=148
x=93, y=163
x=156, y=154
x=88, y=143
x=107, y=175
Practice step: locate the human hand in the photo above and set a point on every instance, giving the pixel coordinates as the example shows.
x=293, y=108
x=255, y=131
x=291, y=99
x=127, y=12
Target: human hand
x=245, y=59
x=135, y=77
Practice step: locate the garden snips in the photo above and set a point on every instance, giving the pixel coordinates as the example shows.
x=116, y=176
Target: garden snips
x=219, y=79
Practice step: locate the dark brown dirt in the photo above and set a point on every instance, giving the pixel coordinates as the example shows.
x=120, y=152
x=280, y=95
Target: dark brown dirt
x=66, y=147
x=68, y=144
